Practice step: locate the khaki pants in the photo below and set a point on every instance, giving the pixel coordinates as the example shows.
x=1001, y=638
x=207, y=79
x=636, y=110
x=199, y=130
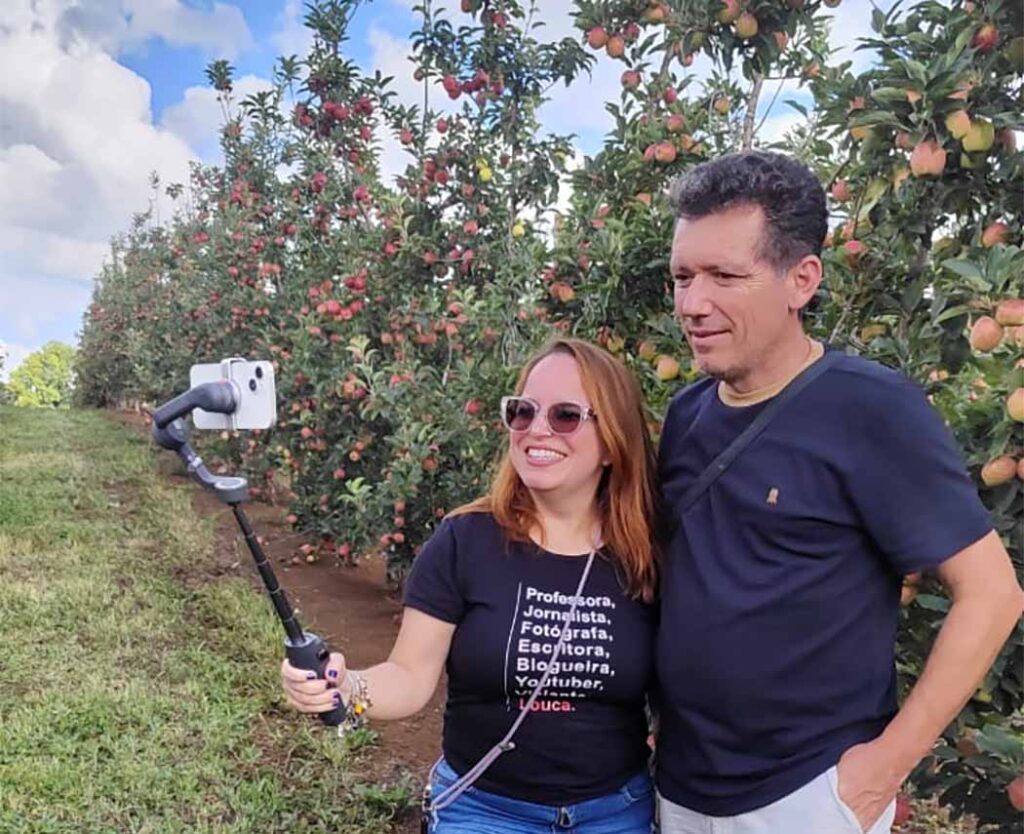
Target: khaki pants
x=813, y=809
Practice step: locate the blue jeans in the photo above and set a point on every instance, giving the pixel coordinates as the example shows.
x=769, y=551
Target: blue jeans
x=629, y=810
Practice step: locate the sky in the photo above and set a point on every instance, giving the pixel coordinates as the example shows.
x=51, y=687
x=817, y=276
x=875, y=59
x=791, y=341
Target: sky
x=97, y=94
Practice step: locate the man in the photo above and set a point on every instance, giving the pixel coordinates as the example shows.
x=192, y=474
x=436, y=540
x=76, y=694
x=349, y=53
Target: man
x=781, y=588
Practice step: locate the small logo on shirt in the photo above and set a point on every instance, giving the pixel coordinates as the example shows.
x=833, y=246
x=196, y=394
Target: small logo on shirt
x=773, y=496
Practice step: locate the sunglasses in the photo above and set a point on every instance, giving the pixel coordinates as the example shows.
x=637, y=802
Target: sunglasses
x=518, y=414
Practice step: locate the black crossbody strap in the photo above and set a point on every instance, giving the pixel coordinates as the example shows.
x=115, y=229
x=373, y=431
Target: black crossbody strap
x=717, y=467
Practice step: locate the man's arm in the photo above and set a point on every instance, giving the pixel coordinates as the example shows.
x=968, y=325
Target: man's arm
x=987, y=601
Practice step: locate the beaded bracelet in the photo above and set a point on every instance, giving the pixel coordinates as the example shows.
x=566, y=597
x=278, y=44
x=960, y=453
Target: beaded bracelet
x=357, y=704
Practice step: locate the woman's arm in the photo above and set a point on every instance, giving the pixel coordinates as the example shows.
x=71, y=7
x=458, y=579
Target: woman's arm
x=397, y=688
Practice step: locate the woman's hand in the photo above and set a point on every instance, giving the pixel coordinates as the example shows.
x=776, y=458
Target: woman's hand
x=397, y=688
x=308, y=693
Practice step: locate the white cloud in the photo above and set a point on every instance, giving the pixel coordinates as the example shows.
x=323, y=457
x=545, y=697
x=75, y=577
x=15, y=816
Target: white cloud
x=775, y=127
x=197, y=118
x=94, y=144
x=580, y=108
x=123, y=25
x=851, y=22
x=26, y=250
x=77, y=145
x=391, y=56
x=292, y=36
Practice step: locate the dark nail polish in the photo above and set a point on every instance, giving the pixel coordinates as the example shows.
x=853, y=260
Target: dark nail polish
x=333, y=673
x=310, y=676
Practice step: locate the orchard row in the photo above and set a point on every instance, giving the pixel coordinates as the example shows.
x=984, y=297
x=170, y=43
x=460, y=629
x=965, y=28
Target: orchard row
x=397, y=312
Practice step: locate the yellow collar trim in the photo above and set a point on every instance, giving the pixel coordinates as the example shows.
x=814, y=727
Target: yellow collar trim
x=731, y=398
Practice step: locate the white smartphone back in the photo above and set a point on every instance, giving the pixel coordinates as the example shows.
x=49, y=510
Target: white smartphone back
x=254, y=387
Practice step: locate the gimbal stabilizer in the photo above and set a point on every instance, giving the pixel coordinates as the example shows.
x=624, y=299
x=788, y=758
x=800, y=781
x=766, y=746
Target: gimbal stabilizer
x=304, y=649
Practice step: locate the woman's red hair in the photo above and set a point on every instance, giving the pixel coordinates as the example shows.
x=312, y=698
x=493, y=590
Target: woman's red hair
x=627, y=495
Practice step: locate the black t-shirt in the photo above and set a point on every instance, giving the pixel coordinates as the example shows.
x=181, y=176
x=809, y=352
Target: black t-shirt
x=587, y=734
x=780, y=591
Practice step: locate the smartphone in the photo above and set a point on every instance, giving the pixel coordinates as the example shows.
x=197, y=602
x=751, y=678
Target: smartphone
x=254, y=390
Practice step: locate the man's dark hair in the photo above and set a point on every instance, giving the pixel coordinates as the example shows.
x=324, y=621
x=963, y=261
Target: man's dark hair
x=785, y=189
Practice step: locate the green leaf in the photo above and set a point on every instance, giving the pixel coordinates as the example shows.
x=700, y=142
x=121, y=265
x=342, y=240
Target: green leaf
x=916, y=69
x=796, y=106
x=966, y=269
x=876, y=117
x=951, y=313
x=994, y=739
x=889, y=94
x=932, y=603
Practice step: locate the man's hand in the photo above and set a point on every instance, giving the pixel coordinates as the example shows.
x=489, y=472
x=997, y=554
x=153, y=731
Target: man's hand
x=868, y=780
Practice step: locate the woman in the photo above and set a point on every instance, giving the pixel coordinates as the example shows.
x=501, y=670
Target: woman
x=564, y=538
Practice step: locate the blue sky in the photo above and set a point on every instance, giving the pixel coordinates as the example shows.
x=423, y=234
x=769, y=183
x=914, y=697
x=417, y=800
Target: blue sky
x=170, y=70
x=117, y=89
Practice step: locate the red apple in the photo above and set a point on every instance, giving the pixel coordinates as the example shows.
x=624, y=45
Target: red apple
x=998, y=471
x=630, y=79
x=986, y=38
x=958, y=123
x=746, y=26
x=666, y=368
x=1015, y=405
x=853, y=249
x=1010, y=312
x=840, y=191
x=665, y=152
x=729, y=12
x=1015, y=792
x=597, y=37
x=928, y=159
x=986, y=333
x=994, y=233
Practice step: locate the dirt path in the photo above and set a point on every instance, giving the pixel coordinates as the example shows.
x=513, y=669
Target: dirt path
x=351, y=608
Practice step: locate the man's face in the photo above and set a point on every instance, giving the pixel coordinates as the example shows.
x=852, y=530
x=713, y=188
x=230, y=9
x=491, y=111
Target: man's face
x=732, y=305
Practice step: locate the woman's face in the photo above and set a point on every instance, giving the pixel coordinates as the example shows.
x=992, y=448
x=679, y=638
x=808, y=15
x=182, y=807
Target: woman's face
x=550, y=463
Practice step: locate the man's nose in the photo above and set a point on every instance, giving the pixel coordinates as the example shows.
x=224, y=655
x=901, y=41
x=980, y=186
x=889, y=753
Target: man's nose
x=694, y=301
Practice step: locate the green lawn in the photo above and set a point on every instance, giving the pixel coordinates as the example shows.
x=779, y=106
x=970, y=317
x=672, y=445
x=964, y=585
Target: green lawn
x=133, y=699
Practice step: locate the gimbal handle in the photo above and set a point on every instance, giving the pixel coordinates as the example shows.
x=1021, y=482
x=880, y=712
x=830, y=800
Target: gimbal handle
x=220, y=397
x=305, y=650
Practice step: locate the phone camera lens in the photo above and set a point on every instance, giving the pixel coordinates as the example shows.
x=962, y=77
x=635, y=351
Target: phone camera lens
x=259, y=373
x=252, y=384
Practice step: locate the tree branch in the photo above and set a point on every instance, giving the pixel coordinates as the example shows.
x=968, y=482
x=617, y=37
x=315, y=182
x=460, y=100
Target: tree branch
x=748, y=120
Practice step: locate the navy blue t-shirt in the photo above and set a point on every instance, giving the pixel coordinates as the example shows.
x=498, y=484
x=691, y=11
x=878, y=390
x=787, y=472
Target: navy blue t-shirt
x=780, y=591
x=509, y=600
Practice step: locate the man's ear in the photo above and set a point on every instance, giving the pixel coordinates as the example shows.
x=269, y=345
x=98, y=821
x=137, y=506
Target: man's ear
x=804, y=280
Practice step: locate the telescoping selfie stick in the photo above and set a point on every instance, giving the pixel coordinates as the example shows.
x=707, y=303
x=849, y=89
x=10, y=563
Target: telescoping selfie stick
x=304, y=649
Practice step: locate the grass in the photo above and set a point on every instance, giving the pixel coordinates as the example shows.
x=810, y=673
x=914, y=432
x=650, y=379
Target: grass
x=134, y=696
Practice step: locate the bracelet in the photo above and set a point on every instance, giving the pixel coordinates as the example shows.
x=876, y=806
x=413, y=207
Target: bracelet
x=357, y=705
